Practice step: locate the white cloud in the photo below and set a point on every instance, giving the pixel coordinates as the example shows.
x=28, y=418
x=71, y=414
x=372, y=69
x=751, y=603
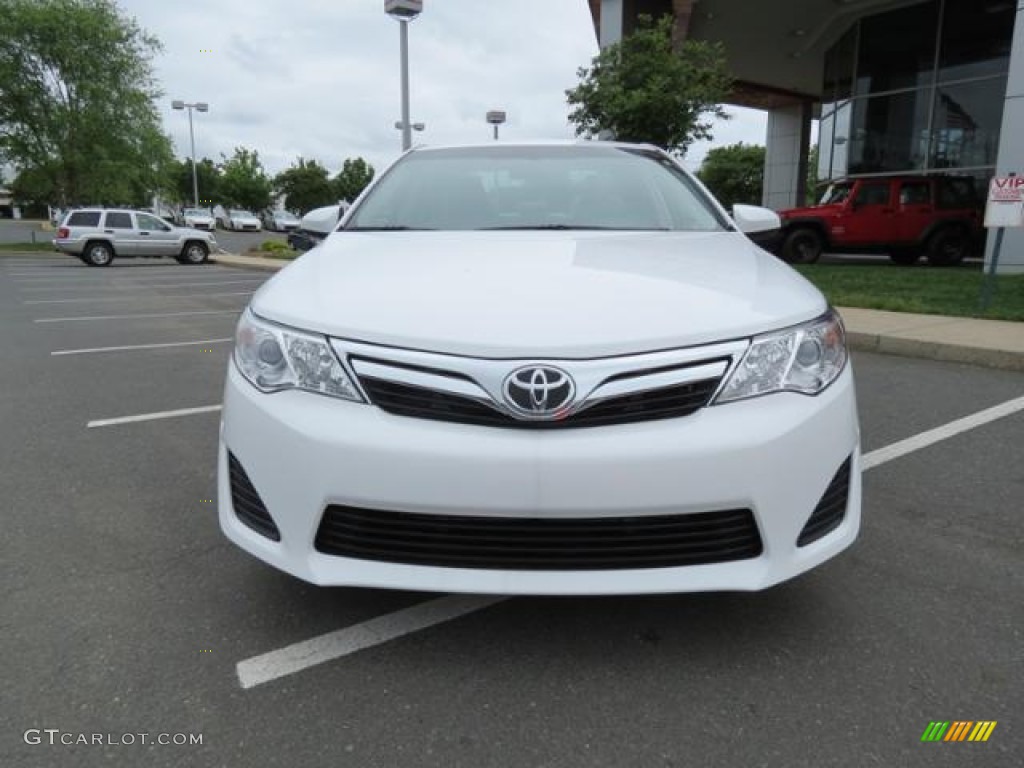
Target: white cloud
x=320, y=78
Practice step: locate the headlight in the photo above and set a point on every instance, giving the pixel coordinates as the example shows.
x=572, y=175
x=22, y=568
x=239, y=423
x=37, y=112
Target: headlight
x=803, y=359
x=274, y=358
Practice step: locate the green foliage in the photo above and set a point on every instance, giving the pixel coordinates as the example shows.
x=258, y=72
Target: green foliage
x=642, y=90
x=207, y=179
x=244, y=183
x=922, y=289
x=270, y=246
x=813, y=193
x=305, y=186
x=734, y=174
x=77, y=112
x=353, y=178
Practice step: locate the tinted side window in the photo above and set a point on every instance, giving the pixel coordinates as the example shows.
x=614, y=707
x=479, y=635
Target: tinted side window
x=915, y=193
x=873, y=194
x=119, y=220
x=956, y=193
x=84, y=219
x=150, y=222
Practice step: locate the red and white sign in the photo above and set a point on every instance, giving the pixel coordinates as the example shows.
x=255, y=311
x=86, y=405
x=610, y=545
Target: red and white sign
x=1005, y=202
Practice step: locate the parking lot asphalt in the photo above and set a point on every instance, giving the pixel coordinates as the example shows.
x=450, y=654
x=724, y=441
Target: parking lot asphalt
x=125, y=611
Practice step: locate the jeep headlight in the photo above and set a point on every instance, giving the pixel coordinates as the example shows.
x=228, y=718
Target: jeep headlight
x=274, y=358
x=804, y=359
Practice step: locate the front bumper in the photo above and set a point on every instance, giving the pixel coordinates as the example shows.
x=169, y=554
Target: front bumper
x=774, y=455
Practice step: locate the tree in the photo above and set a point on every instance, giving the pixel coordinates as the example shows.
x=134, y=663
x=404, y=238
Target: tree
x=642, y=90
x=305, y=186
x=244, y=183
x=77, y=113
x=353, y=178
x=812, y=176
x=735, y=174
x=207, y=179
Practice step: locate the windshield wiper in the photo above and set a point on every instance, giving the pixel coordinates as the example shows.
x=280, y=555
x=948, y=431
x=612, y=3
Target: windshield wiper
x=561, y=227
x=392, y=228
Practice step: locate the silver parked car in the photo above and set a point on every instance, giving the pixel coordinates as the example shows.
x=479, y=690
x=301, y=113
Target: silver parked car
x=97, y=236
x=279, y=220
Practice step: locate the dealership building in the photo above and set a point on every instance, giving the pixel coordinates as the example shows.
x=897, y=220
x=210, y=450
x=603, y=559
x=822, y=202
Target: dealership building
x=927, y=86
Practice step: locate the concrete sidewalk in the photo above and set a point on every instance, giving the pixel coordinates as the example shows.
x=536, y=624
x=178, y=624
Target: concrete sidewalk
x=989, y=343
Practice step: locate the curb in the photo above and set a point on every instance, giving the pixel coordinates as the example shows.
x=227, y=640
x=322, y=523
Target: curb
x=1005, y=360
x=248, y=262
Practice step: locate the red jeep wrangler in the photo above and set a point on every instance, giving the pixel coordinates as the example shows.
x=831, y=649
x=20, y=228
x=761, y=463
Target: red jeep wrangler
x=904, y=216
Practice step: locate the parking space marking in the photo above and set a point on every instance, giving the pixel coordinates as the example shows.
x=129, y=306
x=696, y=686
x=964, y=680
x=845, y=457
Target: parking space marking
x=136, y=317
x=153, y=416
x=134, y=347
x=343, y=642
x=147, y=297
x=381, y=629
x=101, y=278
x=924, y=439
x=127, y=286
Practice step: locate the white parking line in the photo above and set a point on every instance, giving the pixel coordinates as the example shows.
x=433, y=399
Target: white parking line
x=381, y=629
x=134, y=347
x=390, y=626
x=81, y=277
x=147, y=297
x=152, y=416
x=946, y=431
x=135, y=317
x=129, y=286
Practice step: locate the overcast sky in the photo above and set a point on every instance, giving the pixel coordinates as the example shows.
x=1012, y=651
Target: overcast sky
x=320, y=78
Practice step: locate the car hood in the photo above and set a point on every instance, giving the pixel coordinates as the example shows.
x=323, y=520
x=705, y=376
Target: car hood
x=810, y=210
x=538, y=294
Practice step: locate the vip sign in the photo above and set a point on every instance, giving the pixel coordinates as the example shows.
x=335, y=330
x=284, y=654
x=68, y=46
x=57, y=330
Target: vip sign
x=1005, y=202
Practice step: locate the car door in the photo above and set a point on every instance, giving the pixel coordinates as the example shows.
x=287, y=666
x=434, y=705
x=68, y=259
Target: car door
x=119, y=227
x=871, y=216
x=156, y=237
x=915, y=211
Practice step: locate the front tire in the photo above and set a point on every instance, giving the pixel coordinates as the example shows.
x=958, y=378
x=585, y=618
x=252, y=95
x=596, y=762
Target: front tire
x=98, y=254
x=194, y=252
x=948, y=247
x=803, y=246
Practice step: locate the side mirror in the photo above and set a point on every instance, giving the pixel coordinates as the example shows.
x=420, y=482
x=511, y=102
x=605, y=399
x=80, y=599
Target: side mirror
x=751, y=219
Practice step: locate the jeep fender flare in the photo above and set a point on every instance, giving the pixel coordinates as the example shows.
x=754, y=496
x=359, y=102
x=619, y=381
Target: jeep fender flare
x=808, y=223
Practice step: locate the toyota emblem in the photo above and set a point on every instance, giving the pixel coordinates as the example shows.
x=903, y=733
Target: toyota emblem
x=539, y=392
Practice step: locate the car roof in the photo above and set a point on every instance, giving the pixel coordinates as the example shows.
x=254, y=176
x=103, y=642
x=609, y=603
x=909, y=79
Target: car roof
x=569, y=143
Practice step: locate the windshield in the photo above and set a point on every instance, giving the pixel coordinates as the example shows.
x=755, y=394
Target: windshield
x=286, y=215
x=237, y=212
x=836, y=194
x=567, y=187
x=196, y=212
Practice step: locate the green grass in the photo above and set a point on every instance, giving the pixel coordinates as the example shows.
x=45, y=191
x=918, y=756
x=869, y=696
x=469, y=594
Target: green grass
x=922, y=289
x=26, y=247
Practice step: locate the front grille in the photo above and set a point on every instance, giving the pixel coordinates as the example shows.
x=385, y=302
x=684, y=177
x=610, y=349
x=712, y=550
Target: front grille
x=457, y=541
x=422, y=403
x=248, y=506
x=831, y=510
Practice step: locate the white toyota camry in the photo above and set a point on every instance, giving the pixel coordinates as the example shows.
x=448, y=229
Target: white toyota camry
x=541, y=369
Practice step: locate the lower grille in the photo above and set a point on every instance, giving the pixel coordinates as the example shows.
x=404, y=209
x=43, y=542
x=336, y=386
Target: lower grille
x=418, y=402
x=458, y=541
x=831, y=510
x=248, y=506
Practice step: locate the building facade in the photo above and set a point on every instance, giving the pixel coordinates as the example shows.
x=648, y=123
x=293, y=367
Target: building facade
x=899, y=86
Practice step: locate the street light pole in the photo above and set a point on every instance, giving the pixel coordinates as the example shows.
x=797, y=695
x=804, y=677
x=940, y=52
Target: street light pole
x=201, y=106
x=195, y=175
x=404, y=11
x=403, y=25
